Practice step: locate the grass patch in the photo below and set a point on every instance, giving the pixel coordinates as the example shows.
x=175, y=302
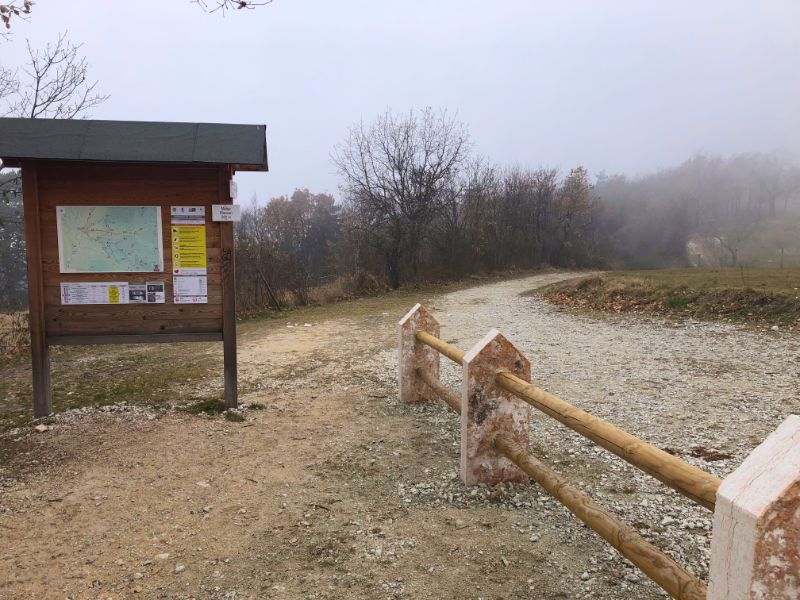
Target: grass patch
x=208, y=406
x=161, y=375
x=213, y=407
x=764, y=296
x=234, y=417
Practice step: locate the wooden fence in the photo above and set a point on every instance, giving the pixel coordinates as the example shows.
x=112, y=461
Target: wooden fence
x=756, y=535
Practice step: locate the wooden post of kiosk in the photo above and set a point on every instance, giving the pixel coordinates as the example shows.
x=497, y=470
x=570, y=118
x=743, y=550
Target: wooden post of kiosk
x=40, y=354
x=228, y=294
x=87, y=167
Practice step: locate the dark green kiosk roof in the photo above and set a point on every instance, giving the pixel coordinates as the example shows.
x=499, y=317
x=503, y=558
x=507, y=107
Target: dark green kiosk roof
x=242, y=146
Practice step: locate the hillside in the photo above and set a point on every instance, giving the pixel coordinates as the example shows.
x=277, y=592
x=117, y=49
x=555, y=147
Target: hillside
x=764, y=295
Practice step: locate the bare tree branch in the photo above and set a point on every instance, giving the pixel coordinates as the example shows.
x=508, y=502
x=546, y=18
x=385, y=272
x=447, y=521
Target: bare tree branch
x=53, y=85
x=12, y=10
x=9, y=82
x=226, y=5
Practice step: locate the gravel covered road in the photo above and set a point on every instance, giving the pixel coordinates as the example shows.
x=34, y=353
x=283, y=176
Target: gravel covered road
x=332, y=488
x=707, y=392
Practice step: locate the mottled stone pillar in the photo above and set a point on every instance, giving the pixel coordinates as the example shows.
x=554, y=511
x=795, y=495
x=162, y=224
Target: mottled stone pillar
x=487, y=409
x=413, y=354
x=755, y=551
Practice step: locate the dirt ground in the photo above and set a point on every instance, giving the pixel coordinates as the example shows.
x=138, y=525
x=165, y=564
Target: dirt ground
x=335, y=490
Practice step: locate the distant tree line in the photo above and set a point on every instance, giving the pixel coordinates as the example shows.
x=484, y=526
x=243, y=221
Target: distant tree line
x=649, y=222
x=418, y=205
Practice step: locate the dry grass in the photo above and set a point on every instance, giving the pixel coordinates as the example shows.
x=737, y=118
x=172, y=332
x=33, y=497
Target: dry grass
x=769, y=296
x=334, y=291
x=14, y=336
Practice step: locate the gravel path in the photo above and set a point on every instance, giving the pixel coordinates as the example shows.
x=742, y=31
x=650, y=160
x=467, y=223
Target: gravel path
x=706, y=392
x=672, y=383
x=334, y=489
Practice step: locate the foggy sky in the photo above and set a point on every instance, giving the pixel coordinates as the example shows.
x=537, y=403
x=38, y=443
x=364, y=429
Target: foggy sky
x=621, y=86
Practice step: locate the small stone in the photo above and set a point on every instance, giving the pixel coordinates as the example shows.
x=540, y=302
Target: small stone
x=504, y=560
x=41, y=428
x=179, y=569
x=632, y=577
x=162, y=556
x=585, y=576
x=137, y=575
x=207, y=509
x=203, y=484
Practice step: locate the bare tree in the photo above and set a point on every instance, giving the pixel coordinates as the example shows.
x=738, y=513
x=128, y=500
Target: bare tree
x=54, y=84
x=397, y=172
x=734, y=234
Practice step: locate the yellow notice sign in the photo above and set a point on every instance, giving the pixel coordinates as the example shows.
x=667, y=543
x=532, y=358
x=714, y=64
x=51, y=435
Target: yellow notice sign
x=113, y=294
x=189, y=249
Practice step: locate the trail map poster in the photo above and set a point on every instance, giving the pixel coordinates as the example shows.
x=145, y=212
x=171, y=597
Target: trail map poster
x=110, y=239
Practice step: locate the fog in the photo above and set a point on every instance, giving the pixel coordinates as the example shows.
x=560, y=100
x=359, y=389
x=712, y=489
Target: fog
x=621, y=87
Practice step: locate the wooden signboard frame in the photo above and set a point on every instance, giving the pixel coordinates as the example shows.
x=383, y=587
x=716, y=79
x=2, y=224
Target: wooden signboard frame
x=51, y=183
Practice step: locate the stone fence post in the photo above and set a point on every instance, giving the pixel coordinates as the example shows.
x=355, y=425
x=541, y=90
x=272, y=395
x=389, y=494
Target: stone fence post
x=413, y=354
x=487, y=409
x=755, y=550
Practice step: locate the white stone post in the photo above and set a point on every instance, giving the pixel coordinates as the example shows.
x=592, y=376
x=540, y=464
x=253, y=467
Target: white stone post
x=487, y=409
x=755, y=551
x=413, y=354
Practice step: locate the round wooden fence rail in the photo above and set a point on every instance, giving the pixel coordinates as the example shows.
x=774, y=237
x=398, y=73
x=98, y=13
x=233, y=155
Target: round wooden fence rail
x=692, y=482
x=687, y=479
x=451, y=399
x=451, y=352
x=754, y=546
x=659, y=567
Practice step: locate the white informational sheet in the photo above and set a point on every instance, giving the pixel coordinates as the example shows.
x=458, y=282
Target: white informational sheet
x=190, y=285
x=137, y=293
x=151, y=292
x=191, y=300
x=156, y=292
x=188, y=215
x=94, y=293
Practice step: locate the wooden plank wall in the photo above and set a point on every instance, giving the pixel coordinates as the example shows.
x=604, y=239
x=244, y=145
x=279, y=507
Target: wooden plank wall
x=95, y=184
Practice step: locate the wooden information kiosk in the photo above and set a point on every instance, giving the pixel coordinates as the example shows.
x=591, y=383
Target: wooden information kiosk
x=129, y=233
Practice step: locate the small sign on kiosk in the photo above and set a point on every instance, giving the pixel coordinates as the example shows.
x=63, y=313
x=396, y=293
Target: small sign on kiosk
x=226, y=212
